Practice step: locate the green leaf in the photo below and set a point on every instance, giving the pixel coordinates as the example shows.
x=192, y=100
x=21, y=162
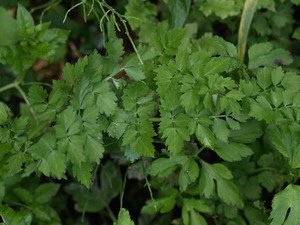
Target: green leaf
x=124, y=218
x=226, y=189
x=220, y=129
x=163, y=204
x=179, y=10
x=205, y=136
x=4, y=113
x=286, y=207
x=8, y=28
x=87, y=200
x=263, y=54
x=296, y=33
x=45, y=192
x=93, y=149
x=232, y=151
x=286, y=143
x=190, y=211
x=248, y=133
x=10, y=217
x=25, y=22
x=139, y=138
x=188, y=174
x=267, y=180
x=56, y=164
x=277, y=75
x=221, y=8
x=164, y=167
x=2, y=191
x=73, y=72
x=83, y=173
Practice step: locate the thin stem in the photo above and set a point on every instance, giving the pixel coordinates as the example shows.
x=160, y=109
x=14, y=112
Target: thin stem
x=73, y=7
x=8, y=86
x=41, y=83
x=123, y=189
x=149, y=187
x=200, y=150
x=47, y=8
x=111, y=214
x=22, y=93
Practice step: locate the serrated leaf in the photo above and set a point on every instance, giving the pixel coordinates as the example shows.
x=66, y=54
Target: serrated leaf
x=124, y=218
x=205, y=136
x=286, y=207
x=188, y=174
x=106, y=99
x=226, y=189
x=263, y=54
x=248, y=133
x=163, y=167
x=4, y=113
x=93, y=149
x=232, y=151
x=83, y=173
x=220, y=129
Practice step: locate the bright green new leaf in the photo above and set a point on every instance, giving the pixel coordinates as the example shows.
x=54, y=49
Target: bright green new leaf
x=124, y=218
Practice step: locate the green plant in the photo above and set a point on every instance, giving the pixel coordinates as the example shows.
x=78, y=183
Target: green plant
x=210, y=138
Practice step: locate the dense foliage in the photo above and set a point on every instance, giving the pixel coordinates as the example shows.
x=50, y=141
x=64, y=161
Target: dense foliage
x=165, y=118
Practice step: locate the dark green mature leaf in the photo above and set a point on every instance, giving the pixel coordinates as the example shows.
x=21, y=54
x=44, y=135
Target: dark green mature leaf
x=263, y=54
x=248, y=133
x=220, y=129
x=205, y=136
x=4, y=113
x=213, y=175
x=190, y=211
x=9, y=216
x=163, y=204
x=8, y=28
x=232, y=151
x=45, y=192
x=188, y=174
x=179, y=10
x=285, y=207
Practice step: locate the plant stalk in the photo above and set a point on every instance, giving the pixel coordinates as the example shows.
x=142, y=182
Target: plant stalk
x=247, y=16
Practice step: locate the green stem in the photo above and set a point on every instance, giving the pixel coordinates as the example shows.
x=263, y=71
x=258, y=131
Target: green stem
x=149, y=187
x=123, y=189
x=111, y=214
x=22, y=93
x=247, y=16
x=154, y=119
x=200, y=150
x=8, y=86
